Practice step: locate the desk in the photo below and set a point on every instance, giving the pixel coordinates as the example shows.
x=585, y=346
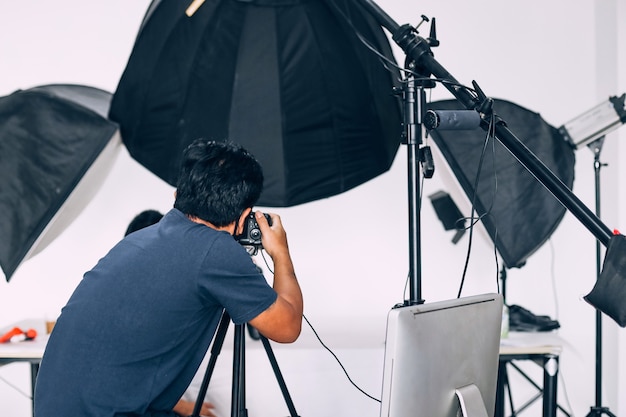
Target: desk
x=542, y=349
x=30, y=351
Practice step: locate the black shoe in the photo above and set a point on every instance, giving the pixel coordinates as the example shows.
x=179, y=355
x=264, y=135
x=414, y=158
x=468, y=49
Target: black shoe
x=522, y=320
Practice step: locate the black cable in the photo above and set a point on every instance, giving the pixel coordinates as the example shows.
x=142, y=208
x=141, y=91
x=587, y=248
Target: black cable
x=474, y=220
x=326, y=347
x=386, y=62
x=339, y=362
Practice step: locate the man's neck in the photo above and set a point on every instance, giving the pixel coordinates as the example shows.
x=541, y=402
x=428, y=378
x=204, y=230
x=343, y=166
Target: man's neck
x=230, y=228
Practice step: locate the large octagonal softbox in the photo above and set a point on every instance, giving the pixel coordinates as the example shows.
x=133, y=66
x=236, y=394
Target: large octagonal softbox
x=56, y=147
x=290, y=80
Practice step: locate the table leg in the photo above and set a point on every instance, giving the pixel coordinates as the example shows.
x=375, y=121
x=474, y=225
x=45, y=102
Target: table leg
x=34, y=369
x=502, y=381
x=550, y=379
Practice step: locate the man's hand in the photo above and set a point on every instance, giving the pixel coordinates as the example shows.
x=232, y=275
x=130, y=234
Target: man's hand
x=185, y=409
x=274, y=237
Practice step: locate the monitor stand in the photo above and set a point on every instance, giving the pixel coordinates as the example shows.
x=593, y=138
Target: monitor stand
x=471, y=402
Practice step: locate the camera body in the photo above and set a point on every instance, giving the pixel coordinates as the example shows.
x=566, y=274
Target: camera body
x=251, y=233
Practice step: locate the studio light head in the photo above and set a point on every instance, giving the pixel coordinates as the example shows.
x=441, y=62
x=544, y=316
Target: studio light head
x=595, y=123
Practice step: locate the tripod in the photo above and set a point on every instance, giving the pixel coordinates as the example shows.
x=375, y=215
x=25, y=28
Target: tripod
x=598, y=409
x=238, y=398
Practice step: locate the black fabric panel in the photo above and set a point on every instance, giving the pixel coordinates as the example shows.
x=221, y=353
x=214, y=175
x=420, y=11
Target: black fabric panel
x=609, y=292
x=520, y=214
x=47, y=143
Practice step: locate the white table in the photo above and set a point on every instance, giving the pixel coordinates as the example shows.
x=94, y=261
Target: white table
x=30, y=351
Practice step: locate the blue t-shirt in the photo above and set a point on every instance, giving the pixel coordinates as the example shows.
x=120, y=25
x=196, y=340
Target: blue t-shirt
x=137, y=327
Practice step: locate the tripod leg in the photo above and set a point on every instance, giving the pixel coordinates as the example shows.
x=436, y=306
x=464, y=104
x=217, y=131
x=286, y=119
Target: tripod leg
x=279, y=376
x=238, y=398
x=218, y=341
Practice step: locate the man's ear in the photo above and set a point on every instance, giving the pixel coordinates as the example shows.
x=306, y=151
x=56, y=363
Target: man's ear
x=242, y=220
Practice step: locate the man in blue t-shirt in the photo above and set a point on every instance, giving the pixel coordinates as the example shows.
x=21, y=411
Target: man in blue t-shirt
x=137, y=327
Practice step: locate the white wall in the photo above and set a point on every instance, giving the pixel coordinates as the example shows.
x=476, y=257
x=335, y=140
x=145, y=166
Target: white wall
x=351, y=250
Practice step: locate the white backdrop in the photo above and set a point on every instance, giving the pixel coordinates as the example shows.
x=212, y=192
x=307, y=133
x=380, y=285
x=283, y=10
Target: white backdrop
x=351, y=251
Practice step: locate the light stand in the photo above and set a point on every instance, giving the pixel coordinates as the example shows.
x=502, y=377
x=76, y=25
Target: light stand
x=414, y=103
x=598, y=409
x=589, y=129
x=418, y=52
x=420, y=57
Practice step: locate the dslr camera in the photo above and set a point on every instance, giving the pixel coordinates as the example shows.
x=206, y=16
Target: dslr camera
x=251, y=233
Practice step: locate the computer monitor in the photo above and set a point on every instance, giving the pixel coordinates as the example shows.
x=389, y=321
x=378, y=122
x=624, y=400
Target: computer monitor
x=441, y=358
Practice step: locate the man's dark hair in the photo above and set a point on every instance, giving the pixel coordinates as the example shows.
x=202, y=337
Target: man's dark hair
x=144, y=219
x=217, y=181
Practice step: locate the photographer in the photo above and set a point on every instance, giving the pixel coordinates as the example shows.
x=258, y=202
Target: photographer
x=144, y=219
x=137, y=327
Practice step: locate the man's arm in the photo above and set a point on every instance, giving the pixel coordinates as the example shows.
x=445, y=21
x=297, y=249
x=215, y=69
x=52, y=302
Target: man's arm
x=282, y=321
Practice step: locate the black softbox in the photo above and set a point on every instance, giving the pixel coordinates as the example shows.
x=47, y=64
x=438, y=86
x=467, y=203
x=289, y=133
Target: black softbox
x=517, y=211
x=290, y=80
x=56, y=146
